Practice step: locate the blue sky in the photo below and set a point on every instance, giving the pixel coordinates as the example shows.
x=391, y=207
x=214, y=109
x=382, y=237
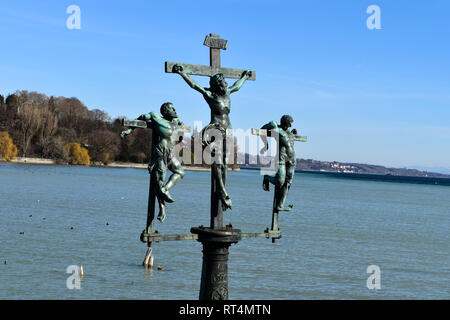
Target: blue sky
x=360, y=95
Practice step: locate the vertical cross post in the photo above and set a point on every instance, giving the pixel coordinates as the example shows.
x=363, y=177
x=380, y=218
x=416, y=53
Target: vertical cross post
x=216, y=206
x=150, y=226
x=275, y=229
x=215, y=44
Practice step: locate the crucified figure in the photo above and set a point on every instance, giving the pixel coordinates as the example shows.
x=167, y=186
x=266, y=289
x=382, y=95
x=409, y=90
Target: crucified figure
x=218, y=98
x=163, y=158
x=286, y=160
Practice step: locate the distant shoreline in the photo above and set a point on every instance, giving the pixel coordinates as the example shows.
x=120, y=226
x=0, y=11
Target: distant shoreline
x=375, y=177
x=41, y=161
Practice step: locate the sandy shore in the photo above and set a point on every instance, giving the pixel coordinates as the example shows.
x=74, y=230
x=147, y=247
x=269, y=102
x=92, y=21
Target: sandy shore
x=32, y=160
x=24, y=160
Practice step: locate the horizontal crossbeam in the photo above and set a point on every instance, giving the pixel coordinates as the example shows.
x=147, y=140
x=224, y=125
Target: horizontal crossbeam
x=267, y=235
x=134, y=123
x=207, y=71
x=263, y=132
x=170, y=237
x=157, y=237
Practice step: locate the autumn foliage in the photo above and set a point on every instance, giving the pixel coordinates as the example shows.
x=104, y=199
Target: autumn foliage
x=8, y=150
x=41, y=126
x=76, y=154
x=46, y=127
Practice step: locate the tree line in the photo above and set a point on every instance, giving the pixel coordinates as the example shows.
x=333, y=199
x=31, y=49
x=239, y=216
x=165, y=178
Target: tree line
x=41, y=126
x=48, y=127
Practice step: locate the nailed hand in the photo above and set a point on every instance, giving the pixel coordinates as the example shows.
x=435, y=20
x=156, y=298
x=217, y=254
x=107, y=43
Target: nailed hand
x=177, y=68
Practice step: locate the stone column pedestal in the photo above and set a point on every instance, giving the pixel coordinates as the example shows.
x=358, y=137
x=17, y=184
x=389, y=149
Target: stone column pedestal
x=214, y=281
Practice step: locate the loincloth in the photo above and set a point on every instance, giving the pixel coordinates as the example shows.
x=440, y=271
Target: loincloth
x=214, y=130
x=161, y=156
x=284, y=159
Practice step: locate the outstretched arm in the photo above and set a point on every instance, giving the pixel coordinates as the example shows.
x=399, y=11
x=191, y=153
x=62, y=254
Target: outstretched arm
x=145, y=117
x=178, y=122
x=238, y=84
x=124, y=133
x=194, y=85
x=272, y=125
x=156, y=118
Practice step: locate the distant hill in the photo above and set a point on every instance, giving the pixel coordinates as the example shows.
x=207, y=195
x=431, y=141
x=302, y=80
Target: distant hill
x=342, y=167
x=432, y=169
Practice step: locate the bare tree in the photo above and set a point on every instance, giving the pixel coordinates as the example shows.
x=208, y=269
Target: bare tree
x=103, y=145
x=100, y=115
x=29, y=112
x=11, y=101
x=48, y=130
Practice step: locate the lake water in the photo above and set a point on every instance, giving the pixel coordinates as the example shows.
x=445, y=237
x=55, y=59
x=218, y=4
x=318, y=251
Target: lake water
x=336, y=230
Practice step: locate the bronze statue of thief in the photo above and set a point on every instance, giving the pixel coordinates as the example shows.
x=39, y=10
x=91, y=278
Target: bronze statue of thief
x=286, y=160
x=163, y=158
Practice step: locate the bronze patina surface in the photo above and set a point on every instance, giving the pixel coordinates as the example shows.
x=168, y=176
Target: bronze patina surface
x=286, y=162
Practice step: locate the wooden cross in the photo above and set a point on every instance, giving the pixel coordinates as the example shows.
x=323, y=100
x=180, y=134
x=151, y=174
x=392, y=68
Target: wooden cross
x=274, y=231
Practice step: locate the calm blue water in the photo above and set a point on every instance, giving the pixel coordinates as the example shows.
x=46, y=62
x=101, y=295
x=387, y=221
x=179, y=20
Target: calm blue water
x=335, y=231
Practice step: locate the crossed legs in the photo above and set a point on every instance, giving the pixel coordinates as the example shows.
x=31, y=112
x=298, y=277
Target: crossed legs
x=220, y=176
x=219, y=170
x=163, y=195
x=282, y=182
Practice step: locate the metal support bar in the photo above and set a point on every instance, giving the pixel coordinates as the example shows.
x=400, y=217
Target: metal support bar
x=267, y=235
x=157, y=237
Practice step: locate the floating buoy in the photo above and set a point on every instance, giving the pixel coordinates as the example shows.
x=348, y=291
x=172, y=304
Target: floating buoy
x=81, y=272
x=148, y=260
x=150, y=264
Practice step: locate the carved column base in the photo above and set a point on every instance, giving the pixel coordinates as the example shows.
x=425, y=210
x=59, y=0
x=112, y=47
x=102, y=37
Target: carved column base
x=214, y=281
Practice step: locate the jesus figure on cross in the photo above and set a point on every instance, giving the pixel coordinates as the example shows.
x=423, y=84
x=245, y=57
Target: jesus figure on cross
x=218, y=98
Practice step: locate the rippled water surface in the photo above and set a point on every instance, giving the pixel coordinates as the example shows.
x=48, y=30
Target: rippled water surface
x=93, y=217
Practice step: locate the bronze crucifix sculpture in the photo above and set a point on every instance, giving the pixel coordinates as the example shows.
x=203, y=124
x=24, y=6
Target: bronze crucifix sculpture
x=218, y=98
